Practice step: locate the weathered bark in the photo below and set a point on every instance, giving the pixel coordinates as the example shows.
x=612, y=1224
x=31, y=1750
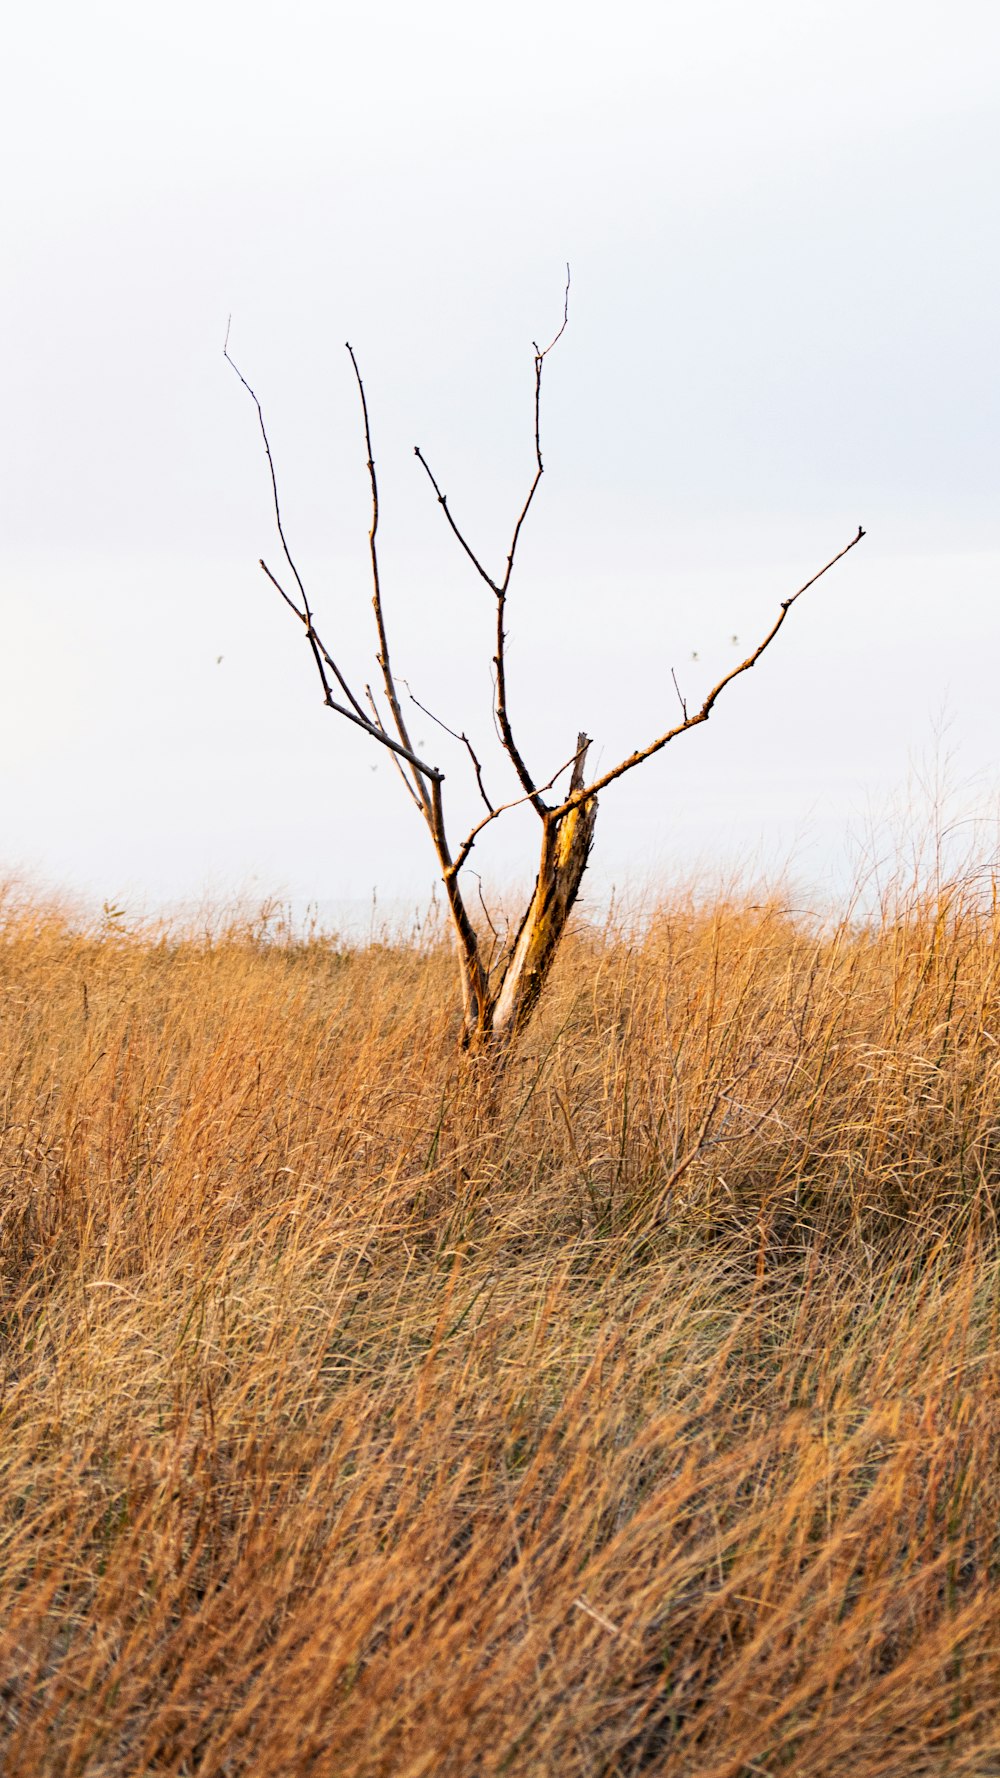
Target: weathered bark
x=566, y=843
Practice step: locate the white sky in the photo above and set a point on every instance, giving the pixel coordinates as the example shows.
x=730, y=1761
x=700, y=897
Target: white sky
x=781, y=221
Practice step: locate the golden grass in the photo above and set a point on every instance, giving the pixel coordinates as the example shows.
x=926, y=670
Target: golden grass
x=638, y=1417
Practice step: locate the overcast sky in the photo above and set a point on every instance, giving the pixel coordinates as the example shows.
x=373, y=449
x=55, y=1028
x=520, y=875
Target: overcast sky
x=781, y=222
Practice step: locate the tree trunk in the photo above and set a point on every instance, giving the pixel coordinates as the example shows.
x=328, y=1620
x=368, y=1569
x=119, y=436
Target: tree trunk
x=566, y=847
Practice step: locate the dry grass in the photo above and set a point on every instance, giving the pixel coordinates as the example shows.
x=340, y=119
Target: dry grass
x=641, y=1417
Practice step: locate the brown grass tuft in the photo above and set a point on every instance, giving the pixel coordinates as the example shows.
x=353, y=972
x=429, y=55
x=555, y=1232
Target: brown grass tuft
x=640, y=1417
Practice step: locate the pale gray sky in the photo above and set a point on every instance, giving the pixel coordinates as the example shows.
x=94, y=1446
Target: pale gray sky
x=781, y=221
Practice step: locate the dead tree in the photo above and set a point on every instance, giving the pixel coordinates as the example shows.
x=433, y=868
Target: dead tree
x=501, y=986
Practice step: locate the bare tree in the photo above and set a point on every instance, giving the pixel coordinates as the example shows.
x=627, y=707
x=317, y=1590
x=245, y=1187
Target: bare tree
x=501, y=984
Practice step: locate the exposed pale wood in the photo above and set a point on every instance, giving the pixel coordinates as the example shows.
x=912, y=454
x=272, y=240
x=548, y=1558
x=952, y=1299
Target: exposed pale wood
x=566, y=844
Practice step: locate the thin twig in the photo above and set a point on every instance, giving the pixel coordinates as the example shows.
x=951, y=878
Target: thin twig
x=383, y=644
x=477, y=768
x=442, y=500
x=497, y=940
x=270, y=465
x=376, y=712
x=406, y=782
x=463, y=737
x=554, y=341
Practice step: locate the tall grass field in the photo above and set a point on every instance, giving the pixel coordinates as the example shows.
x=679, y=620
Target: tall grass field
x=363, y=1416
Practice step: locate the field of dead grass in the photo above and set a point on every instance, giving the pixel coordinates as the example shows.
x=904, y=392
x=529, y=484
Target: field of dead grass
x=640, y=1417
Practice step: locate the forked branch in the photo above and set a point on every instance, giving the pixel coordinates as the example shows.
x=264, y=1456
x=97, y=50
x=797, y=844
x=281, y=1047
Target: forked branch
x=321, y=654
x=463, y=737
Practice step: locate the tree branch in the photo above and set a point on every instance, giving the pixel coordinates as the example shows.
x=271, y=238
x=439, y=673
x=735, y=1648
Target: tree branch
x=702, y=715
x=321, y=654
x=384, y=740
x=383, y=644
x=463, y=737
x=356, y=715
x=442, y=500
x=274, y=478
x=406, y=781
x=499, y=588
